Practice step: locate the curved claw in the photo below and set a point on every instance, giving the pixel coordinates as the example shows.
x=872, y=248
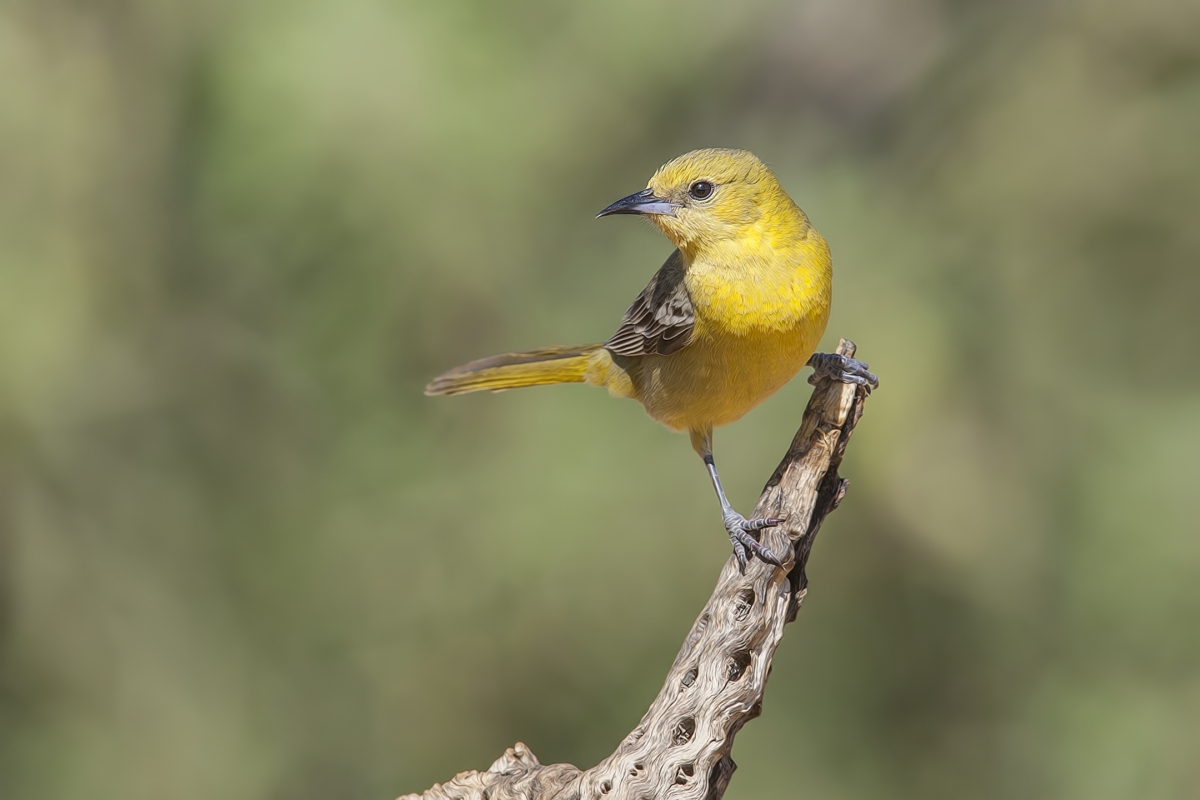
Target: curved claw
x=744, y=544
x=841, y=368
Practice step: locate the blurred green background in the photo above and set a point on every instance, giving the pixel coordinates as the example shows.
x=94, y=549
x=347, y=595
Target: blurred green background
x=241, y=555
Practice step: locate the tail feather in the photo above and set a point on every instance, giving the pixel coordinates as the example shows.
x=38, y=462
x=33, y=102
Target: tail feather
x=514, y=370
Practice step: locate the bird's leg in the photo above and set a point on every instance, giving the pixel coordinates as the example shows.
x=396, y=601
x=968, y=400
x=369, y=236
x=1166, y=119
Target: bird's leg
x=740, y=529
x=841, y=368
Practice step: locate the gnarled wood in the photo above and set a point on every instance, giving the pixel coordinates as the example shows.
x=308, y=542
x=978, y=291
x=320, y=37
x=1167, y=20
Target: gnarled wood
x=681, y=748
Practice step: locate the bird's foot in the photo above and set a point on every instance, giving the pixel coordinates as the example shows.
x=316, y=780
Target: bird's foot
x=741, y=532
x=842, y=369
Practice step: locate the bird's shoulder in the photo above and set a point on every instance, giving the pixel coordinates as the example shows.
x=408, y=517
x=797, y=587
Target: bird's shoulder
x=662, y=319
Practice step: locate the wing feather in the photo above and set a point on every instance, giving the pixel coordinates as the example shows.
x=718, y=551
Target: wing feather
x=661, y=319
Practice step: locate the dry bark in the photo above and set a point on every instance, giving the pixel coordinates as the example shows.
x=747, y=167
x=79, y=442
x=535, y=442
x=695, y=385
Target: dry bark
x=681, y=748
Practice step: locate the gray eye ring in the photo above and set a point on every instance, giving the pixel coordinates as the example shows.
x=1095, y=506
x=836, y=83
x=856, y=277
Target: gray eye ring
x=701, y=190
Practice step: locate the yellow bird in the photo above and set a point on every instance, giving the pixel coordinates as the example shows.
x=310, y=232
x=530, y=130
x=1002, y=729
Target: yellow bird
x=732, y=315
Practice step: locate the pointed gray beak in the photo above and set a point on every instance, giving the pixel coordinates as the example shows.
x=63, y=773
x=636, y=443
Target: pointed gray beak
x=643, y=202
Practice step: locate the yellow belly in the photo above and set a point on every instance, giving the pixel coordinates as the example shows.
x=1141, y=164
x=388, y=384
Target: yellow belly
x=719, y=381
x=714, y=380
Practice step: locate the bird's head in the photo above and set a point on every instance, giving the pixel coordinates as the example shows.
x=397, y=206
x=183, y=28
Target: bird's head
x=706, y=196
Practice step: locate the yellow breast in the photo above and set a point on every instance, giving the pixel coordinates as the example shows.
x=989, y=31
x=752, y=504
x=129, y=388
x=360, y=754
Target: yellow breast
x=750, y=289
x=756, y=325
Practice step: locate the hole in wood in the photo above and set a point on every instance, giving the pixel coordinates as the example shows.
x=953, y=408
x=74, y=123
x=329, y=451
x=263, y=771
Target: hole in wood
x=743, y=604
x=684, y=772
x=605, y=787
x=637, y=767
x=689, y=677
x=738, y=664
x=683, y=731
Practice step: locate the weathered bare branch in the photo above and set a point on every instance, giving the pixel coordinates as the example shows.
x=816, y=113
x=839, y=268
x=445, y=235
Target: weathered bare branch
x=681, y=748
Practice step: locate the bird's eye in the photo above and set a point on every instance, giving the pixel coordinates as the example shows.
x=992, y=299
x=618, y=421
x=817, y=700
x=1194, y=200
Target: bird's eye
x=700, y=189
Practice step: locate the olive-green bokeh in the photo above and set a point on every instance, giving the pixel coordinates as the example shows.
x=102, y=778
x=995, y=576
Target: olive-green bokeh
x=241, y=555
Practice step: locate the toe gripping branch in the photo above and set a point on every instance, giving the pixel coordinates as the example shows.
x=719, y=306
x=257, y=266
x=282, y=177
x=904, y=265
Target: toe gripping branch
x=842, y=369
x=742, y=533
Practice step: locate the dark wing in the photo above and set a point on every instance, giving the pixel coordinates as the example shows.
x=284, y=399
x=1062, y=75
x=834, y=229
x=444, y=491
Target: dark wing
x=661, y=319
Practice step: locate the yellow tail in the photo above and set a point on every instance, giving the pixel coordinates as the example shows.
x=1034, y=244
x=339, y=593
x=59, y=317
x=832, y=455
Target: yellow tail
x=514, y=370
